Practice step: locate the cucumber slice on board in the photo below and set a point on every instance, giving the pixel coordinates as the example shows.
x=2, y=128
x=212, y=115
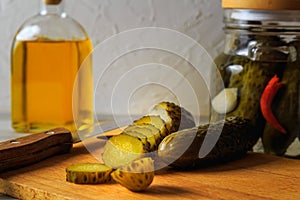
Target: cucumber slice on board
x=136, y=176
x=122, y=149
x=88, y=173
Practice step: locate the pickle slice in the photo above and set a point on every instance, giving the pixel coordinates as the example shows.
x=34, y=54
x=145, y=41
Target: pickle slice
x=143, y=138
x=122, y=149
x=88, y=173
x=152, y=134
x=155, y=121
x=176, y=117
x=136, y=176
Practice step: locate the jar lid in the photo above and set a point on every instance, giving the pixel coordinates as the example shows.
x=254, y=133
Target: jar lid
x=262, y=4
x=52, y=2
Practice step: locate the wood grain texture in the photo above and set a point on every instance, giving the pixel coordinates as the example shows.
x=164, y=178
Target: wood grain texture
x=255, y=176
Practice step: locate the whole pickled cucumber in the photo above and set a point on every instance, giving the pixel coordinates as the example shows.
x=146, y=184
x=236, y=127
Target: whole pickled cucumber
x=181, y=149
x=286, y=109
x=251, y=83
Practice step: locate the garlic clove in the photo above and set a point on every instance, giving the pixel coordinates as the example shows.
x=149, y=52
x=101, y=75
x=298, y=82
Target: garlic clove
x=225, y=101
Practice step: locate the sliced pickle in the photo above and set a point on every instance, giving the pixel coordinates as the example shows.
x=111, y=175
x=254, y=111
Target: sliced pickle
x=88, y=173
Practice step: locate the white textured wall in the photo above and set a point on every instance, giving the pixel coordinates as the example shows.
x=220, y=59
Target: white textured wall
x=199, y=19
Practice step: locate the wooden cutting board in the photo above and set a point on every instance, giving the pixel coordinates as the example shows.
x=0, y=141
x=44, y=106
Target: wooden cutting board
x=256, y=176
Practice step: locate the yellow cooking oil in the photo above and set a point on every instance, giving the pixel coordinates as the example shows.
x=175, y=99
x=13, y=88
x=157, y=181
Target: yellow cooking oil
x=44, y=92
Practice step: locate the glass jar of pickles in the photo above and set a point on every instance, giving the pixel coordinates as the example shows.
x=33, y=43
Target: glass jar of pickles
x=49, y=86
x=260, y=68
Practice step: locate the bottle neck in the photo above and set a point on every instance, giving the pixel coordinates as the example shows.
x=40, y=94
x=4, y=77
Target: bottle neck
x=54, y=7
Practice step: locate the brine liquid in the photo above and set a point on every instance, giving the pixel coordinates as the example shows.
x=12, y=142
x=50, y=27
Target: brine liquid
x=44, y=95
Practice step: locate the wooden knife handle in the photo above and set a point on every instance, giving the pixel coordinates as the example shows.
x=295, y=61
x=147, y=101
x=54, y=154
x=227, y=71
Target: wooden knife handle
x=32, y=148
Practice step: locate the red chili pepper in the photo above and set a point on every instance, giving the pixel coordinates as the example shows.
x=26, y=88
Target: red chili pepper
x=266, y=102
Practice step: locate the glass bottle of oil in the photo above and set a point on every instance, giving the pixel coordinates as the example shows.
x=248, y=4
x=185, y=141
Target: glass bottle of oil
x=51, y=72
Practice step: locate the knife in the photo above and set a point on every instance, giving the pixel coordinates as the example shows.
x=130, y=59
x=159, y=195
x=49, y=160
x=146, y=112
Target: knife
x=29, y=149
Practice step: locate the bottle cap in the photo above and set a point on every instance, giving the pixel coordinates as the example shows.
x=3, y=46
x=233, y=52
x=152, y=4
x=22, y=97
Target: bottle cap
x=262, y=4
x=52, y=2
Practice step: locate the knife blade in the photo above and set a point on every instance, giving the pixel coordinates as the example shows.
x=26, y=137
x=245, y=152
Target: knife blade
x=102, y=128
x=32, y=148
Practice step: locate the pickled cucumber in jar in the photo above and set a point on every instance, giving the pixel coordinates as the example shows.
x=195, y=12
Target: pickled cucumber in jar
x=260, y=70
x=285, y=108
x=249, y=93
x=244, y=83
